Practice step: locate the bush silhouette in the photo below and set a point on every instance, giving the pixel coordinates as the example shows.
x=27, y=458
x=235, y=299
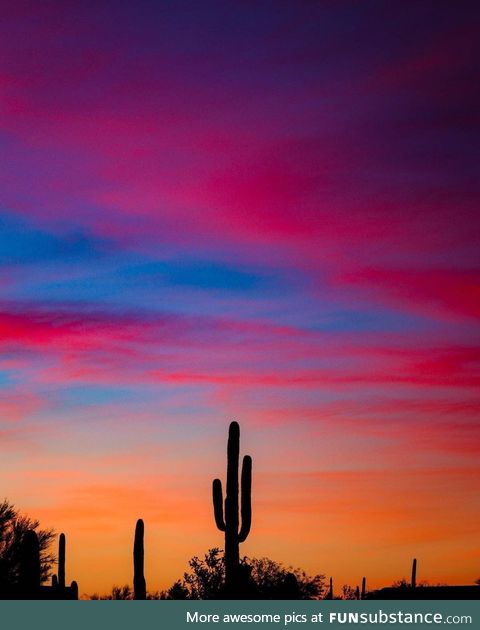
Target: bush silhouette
x=263, y=579
x=117, y=593
x=14, y=528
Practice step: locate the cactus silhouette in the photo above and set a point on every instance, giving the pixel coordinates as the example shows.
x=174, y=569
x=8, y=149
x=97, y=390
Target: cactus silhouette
x=414, y=573
x=330, y=592
x=74, y=590
x=229, y=523
x=61, y=561
x=29, y=577
x=364, y=587
x=29, y=584
x=58, y=581
x=139, y=585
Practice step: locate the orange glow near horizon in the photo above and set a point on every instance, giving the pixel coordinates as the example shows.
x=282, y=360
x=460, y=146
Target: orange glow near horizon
x=345, y=523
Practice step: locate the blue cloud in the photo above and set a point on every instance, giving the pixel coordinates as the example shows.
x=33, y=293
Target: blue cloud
x=24, y=243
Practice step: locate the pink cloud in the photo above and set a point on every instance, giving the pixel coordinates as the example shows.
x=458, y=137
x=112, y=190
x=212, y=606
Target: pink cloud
x=439, y=293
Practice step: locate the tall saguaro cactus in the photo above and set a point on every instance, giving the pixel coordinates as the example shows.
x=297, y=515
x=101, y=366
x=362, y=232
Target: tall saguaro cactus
x=29, y=577
x=230, y=521
x=364, y=587
x=61, y=561
x=61, y=590
x=414, y=573
x=139, y=585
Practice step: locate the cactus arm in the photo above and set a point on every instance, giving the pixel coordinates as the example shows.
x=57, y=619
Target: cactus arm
x=246, y=499
x=218, y=504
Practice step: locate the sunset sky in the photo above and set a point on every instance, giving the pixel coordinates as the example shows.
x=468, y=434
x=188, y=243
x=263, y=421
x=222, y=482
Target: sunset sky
x=262, y=211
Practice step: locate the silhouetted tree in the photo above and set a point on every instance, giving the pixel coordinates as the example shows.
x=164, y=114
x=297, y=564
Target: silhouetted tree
x=403, y=583
x=117, y=593
x=348, y=592
x=177, y=591
x=263, y=579
x=125, y=592
x=206, y=577
x=13, y=528
x=272, y=577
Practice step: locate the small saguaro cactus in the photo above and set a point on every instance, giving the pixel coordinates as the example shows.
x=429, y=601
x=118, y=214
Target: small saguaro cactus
x=364, y=587
x=414, y=573
x=61, y=561
x=139, y=585
x=58, y=581
x=228, y=520
x=330, y=592
x=74, y=590
x=29, y=577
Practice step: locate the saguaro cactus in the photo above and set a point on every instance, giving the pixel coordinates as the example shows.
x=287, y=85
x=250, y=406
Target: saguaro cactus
x=61, y=561
x=229, y=523
x=364, y=587
x=29, y=577
x=414, y=573
x=58, y=581
x=330, y=591
x=139, y=585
